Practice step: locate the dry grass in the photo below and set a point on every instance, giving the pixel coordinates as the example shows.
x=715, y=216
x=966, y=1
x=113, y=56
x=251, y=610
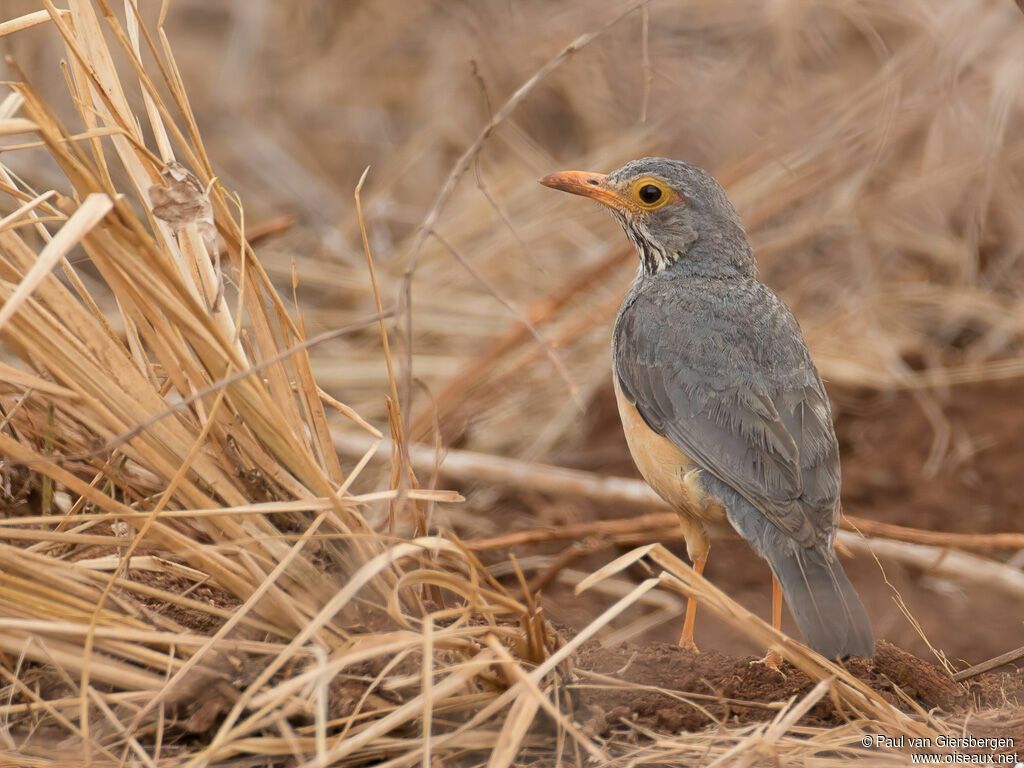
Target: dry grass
x=170, y=407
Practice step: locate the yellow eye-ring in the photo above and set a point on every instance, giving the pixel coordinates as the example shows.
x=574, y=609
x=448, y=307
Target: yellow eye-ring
x=650, y=193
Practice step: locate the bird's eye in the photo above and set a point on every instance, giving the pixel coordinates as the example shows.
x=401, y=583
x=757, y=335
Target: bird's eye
x=649, y=194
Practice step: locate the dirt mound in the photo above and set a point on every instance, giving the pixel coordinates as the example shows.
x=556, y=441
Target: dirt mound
x=675, y=690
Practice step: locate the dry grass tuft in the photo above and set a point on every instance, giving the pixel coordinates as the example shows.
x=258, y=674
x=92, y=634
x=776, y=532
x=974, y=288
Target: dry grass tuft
x=189, y=423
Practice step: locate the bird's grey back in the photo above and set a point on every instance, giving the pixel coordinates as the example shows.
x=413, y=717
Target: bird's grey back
x=719, y=366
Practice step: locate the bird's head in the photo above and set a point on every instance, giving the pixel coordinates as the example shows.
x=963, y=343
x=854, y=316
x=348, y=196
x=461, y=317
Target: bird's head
x=675, y=213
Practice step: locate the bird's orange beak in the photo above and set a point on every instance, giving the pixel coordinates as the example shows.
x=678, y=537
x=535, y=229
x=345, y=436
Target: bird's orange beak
x=592, y=185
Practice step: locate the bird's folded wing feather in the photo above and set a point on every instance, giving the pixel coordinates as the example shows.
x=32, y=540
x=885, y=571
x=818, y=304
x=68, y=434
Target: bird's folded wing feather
x=768, y=436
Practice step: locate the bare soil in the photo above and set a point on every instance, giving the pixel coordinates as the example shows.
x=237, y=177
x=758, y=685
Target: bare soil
x=753, y=690
x=189, y=618
x=728, y=690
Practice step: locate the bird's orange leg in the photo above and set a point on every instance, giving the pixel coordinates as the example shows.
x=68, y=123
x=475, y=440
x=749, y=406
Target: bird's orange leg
x=773, y=658
x=686, y=639
x=776, y=604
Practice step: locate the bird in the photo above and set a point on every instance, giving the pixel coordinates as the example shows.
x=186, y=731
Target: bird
x=722, y=407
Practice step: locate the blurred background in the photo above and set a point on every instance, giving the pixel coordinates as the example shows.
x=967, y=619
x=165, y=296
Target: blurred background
x=873, y=149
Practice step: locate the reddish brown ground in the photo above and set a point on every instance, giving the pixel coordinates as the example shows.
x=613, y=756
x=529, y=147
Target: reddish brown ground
x=753, y=691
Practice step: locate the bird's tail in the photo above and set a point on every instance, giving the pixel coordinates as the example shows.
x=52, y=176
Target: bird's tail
x=822, y=599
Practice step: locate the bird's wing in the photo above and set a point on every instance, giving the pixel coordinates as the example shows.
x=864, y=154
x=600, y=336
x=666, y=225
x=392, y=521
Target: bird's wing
x=765, y=432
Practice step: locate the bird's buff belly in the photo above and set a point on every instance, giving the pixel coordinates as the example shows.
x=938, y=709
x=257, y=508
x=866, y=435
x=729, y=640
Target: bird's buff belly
x=669, y=471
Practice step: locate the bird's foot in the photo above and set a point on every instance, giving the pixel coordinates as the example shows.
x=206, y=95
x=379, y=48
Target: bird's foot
x=687, y=644
x=772, y=660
